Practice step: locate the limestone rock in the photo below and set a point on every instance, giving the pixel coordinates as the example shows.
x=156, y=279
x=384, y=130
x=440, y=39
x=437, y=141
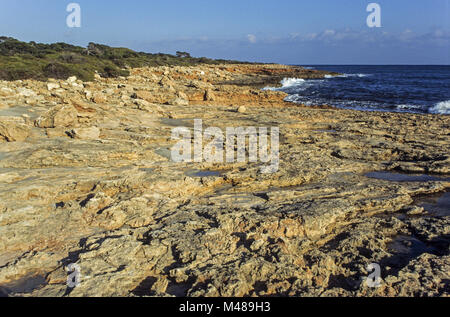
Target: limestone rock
x=139, y=224
x=179, y=102
x=5, y=92
x=99, y=98
x=58, y=116
x=13, y=129
x=144, y=95
x=209, y=95
x=26, y=92
x=91, y=133
x=52, y=86
x=242, y=109
x=72, y=79
x=166, y=82
x=88, y=94
x=56, y=132
x=181, y=99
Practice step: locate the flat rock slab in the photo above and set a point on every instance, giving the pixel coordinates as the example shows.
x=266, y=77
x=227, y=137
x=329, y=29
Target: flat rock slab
x=93, y=184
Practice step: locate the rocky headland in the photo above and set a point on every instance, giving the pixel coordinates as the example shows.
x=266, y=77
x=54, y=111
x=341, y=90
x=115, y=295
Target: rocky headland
x=86, y=178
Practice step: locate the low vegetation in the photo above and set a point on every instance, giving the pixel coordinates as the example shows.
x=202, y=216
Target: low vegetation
x=20, y=60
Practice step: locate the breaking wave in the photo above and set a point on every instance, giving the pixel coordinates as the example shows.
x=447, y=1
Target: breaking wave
x=288, y=83
x=441, y=108
x=291, y=82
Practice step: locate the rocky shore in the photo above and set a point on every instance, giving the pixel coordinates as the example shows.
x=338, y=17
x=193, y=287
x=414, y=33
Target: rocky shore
x=86, y=178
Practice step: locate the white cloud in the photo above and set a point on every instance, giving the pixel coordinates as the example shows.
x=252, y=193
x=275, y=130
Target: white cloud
x=251, y=38
x=329, y=32
x=350, y=40
x=311, y=36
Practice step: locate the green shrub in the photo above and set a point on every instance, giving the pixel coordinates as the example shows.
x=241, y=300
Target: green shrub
x=20, y=60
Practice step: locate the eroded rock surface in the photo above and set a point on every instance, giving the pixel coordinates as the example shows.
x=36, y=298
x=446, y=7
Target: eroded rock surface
x=86, y=178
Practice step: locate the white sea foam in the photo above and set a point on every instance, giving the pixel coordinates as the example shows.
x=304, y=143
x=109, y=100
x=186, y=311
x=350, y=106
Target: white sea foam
x=292, y=98
x=441, y=108
x=409, y=107
x=291, y=82
x=346, y=76
x=288, y=83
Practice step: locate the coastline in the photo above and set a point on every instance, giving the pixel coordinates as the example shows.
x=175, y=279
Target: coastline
x=86, y=179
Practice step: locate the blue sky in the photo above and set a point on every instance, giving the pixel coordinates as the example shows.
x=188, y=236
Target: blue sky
x=285, y=31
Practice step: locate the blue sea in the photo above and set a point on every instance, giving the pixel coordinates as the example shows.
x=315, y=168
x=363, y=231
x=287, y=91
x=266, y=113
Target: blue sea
x=417, y=89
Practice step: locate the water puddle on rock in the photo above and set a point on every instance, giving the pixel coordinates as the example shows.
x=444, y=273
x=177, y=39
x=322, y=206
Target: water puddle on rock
x=326, y=131
x=164, y=152
x=401, y=177
x=437, y=205
x=409, y=246
x=25, y=285
x=404, y=248
x=203, y=173
x=178, y=122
